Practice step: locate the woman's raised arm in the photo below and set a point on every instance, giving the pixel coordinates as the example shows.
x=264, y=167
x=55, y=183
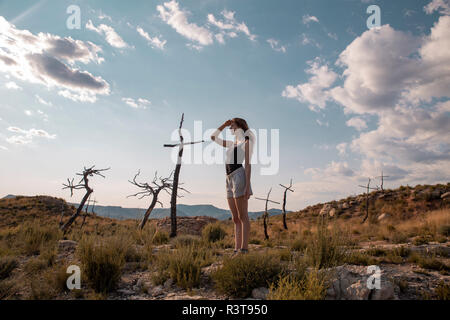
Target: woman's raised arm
x=215, y=135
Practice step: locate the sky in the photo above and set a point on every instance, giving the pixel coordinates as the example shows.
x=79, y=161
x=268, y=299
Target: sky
x=341, y=100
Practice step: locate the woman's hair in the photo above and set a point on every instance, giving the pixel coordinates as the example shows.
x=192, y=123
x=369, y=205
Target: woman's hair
x=241, y=123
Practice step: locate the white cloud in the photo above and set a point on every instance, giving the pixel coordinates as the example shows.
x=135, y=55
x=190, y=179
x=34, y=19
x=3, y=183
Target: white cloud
x=411, y=143
x=308, y=19
x=155, y=42
x=322, y=124
x=306, y=40
x=3, y=148
x=28, y=113
x=342, y=148
x=275, y=45
x=140, y=103
x=357, y=123
x=26, y=136
x=12, y=86
x=229, y=26
x=441, y=6
x=42, y=101
x=313, y=91
x=49, y=60
x=171, y=13
x=109, y=33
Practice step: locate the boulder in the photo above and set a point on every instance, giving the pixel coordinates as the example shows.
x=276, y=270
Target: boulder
x=67, y=245
x=445, y=196
x=350, y=283
x=332, y=212
x=260, y=293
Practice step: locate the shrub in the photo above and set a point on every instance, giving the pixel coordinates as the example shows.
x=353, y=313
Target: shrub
x=310, y=287
x=444, y=230
x=102, y=262
x=160, y=237
x=35, y=237
x=183, y=266
x=186, y=241
x=442, y=291
x=7, y=265
x=243, y=273
x=326, y=248
x=298, y=245
x=361, y=258
x=213, y=232
x=428, y=262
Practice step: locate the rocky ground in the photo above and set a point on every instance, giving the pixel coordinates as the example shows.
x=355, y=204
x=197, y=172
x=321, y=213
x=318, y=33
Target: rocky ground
x=349, y=282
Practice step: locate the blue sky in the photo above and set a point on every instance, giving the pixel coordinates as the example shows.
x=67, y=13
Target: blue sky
x=348, y=101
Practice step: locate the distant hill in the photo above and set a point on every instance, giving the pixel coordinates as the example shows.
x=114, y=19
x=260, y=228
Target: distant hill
x=183, y=210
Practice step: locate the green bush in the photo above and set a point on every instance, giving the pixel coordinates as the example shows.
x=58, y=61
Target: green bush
x=298, y=245
x=442, y=291
x=102, y=262
x=444, y=230
x=186, y=241
x=36, y=237
x=213, y=232
x=182, y=265
x=160, y=237
x=240, y=275
x=310, y=287
x=7, y=265
x=326, y=248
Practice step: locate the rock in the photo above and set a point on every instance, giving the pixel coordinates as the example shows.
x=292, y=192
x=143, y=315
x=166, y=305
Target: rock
x=186, y=225
x=350, y=283
x=125, y=292
x=67, y=245
x=386, y=291
x=332, y=212
x=325, y=209
x=211, y=268
x=436, y=194
x=156, y=291
x=260, y=293
x=168, y=283
x=445, y=195
x=345, y=205
x=140, y=283
x=383, y=216
x=357, y=291
x=183, y=297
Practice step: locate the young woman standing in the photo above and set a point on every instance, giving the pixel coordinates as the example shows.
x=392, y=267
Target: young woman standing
x=238, y=184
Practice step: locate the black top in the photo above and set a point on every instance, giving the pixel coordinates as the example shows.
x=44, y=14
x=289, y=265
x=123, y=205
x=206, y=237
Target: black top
x=230, y=167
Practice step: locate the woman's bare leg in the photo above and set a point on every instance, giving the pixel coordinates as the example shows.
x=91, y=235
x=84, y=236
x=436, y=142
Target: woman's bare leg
x=242, y=208
x=237, y=224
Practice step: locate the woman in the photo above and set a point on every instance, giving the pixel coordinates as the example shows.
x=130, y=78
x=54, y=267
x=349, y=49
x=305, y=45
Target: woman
x=238, y=184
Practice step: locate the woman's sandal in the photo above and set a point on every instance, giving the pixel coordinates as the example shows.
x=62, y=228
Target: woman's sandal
x=243, y=250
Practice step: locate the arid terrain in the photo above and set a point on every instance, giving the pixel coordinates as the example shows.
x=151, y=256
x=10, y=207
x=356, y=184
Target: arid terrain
x=324, y=253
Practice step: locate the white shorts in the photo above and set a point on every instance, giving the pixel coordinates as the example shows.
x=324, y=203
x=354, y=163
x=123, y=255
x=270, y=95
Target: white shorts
x=236, y=183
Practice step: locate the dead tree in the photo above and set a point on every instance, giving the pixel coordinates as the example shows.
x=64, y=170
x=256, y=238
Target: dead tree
x=82, y=184
x=153, y=190
x=173, y=200
x=382, y=180
x=86, y=213
x=367, y=199
x=266, y=213
x=284, y=202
